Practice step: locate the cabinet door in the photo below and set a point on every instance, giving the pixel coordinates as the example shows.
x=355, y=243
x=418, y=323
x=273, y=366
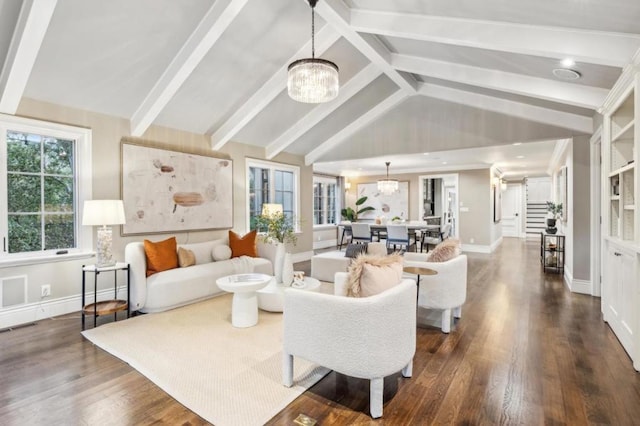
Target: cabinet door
x=610, y=287
x=619, y=295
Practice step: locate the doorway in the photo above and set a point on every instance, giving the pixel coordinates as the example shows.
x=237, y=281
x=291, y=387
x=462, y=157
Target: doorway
x=512, y=211
x=438, y=196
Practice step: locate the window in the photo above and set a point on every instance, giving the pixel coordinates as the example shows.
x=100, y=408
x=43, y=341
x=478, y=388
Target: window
x=325, y=200
x=45, y=172
x=272, y=183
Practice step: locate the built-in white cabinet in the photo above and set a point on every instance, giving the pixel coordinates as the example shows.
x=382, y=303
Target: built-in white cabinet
x=619, y=298
x=620, y=215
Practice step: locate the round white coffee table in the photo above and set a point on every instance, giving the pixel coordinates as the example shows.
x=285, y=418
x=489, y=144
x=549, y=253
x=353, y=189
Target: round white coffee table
x=244, y=311
x=271, y=298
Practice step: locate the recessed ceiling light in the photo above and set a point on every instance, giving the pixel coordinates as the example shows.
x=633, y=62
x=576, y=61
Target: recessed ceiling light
x=568, y=62
x=444, y=162
x=520, y=156
x=566, y=74
x=517, y=143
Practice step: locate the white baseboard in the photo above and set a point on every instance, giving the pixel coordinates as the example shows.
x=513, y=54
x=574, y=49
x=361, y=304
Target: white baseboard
x=575, y=285
x=495, y=244
x=476, y=248
x=324, y=244
x=302, y=256
x=31, y=312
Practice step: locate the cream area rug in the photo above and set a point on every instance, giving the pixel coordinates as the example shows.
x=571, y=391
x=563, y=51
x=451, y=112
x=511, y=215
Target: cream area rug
x=227, y=375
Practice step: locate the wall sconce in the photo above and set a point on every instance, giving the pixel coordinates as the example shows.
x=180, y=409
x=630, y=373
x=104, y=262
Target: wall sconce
x=347, y=186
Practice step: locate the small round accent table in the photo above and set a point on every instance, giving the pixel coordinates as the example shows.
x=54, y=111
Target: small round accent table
x=418, y=270
x=244, y=311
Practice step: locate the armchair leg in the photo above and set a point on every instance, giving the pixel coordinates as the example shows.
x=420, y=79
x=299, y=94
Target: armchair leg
x=376, y=389
x=446, y=321
x=457, y=312
x=407, y=371
x=287, y=369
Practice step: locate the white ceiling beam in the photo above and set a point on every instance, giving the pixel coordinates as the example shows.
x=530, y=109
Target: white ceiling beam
x=32, y=24
x=556, y=91
x=538, y=114
x=353, y=86
x=337, y=14
x=595, y=47
x=366, y=118
x=211, y=27
x=324, y=39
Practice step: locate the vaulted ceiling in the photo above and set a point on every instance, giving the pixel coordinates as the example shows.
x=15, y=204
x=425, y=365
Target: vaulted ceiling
x=416, y=76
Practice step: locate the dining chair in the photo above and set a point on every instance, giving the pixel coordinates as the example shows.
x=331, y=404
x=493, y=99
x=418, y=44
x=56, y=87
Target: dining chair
x=346, y=233
x=399, y=235
x=361, y=232
x=435, y=237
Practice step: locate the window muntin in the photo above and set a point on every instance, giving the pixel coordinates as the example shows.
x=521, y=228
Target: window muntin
x=272, y=183
x=325, y=201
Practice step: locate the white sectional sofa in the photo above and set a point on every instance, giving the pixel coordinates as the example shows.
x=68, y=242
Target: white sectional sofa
x=181, y=286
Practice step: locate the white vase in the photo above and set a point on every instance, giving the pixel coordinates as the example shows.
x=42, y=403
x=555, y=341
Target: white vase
x=278, y=261
x=287, y=270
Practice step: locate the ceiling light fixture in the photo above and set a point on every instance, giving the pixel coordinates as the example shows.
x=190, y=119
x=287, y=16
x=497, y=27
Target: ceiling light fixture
x=388, y=186
x=566, y=74
x=313, y=80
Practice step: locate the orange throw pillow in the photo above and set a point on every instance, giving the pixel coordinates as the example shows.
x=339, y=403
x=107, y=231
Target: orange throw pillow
x=243, y=246
x=161, y=256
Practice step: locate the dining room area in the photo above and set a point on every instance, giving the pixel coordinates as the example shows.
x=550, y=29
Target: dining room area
x=387, y=215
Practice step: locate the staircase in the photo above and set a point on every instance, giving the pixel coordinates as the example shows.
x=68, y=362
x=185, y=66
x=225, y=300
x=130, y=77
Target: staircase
x=536, y=217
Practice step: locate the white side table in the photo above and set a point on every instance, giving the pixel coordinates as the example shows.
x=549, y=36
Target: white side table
x=244, y=311
x=271, y=298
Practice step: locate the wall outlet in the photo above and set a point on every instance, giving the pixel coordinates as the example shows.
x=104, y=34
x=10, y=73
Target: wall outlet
x=45, y=290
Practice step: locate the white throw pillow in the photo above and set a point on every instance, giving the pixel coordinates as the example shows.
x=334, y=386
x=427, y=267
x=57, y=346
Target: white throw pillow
x=201, y=251
x=221, y=252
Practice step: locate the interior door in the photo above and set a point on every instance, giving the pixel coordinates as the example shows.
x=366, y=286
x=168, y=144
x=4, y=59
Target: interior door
x=511, y=210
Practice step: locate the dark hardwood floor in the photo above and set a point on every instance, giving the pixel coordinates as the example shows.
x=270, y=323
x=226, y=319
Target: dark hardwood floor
x=526, y=351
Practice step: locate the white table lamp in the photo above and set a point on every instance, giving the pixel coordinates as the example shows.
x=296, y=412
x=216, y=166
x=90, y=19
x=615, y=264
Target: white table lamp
x=103, y=213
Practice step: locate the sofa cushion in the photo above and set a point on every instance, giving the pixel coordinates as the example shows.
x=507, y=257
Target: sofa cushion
x=446, y=250
x=373, y=274
x=201, y=251
x=161, y=255
x=185, y=257
x=221, y=252
x=243, y=246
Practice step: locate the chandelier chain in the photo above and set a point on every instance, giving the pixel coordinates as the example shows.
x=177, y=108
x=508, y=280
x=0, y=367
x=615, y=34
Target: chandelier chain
x=313, y=30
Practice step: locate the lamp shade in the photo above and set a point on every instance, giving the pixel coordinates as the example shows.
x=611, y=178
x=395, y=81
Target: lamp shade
x=271, y=209
x=103, y=212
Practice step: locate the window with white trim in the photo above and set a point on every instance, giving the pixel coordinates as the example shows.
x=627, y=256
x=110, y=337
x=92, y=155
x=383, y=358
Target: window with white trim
x=325, y=200
x=45, y=176
x=274, y=183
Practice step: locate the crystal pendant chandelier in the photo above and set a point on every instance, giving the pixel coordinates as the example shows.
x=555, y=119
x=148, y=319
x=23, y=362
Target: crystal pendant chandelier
x=313, y=80
x=387, y=186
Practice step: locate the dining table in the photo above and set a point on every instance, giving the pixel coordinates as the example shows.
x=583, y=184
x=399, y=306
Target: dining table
x=379, y=229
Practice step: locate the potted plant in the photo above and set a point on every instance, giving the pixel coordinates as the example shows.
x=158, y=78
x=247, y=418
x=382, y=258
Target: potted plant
x=555, y=210
x=352, y=215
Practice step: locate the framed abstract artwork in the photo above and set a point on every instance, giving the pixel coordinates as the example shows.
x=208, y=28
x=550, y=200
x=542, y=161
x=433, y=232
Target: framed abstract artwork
x=390, y=206
x=172, y=191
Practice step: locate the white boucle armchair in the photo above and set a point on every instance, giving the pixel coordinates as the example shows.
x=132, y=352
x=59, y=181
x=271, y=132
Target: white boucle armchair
x=447, y=290
x=369, y=338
